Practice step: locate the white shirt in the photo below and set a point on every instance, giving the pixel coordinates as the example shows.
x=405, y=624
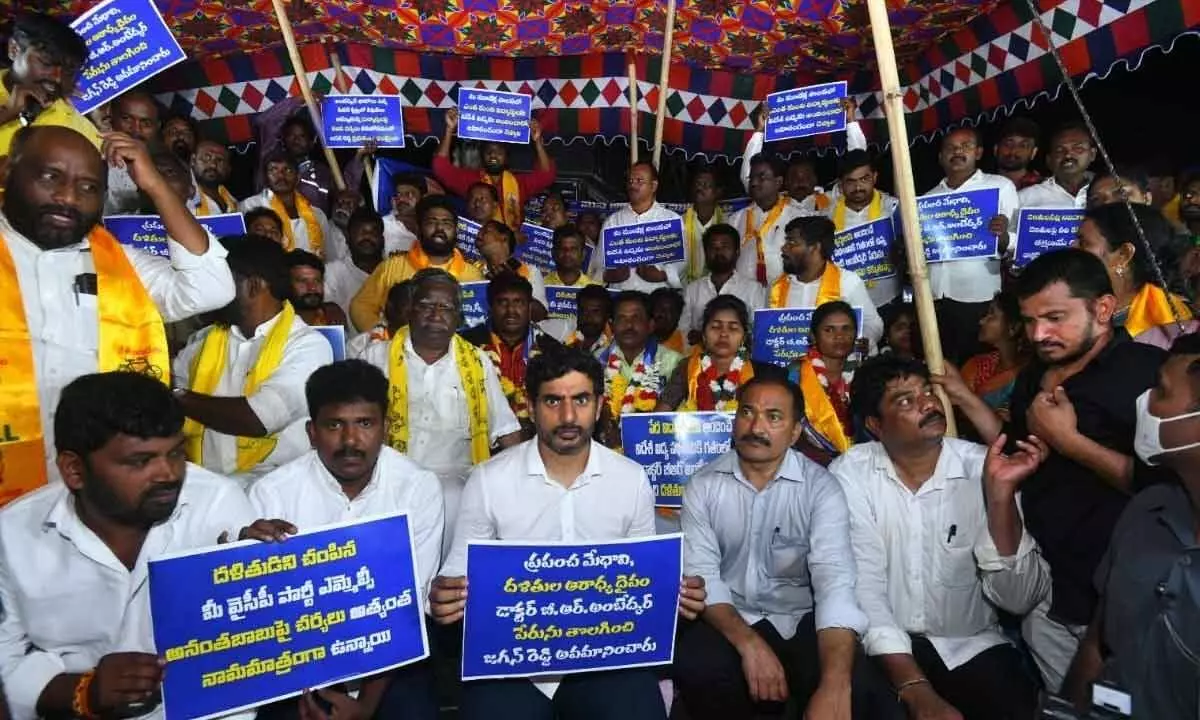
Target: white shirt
x=538, y=282
x=123, y=197
x=64, y=327
x=978, y=279
x=299, y=227
x=701, y=291
x=915, y=551
x=882, y=291
x=335, y=246
x=356, y=347
x=279, y=403
x=304, y=493
x=343, y=280
x=855, y=140
x=853, y=291
x=397, y=237
x=626, y=216
x=1049, y=194
x=68, y=601
x=775, y=554
x=772, y=243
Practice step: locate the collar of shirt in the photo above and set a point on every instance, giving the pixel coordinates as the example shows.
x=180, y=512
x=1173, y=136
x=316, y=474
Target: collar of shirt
x=411, y=355
x=949, y=467
x=944, y=185
x=327, y=479
x=235, y=331
x=791, y=469
x=535, y=467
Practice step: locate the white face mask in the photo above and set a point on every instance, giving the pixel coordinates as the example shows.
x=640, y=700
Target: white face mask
x=1147, y=439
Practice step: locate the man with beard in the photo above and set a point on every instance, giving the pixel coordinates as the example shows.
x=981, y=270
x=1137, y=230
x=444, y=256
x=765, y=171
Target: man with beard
x=344, y=277
x=305, y=227
x=702, y=214
x=512, y=189
x=934, y=554
x=483, y=203
x=179, y=135
x=963, y=289
x=285, y=128
x=567, y=250
x=446, y=407
x=721, y=248
x=241, y=379
x=1071, y=154
x=593, y=311
x=345, y=202
x=306, y=275
x=210, y=167
x=811, y=278
x=76, y=639
x=858, y=203
x=1079, y=397
x=400, y=226
x=437, y=249
x=589, y=223
x=46, y=57
x=138, y=115
x=641, y=188
x=77, y=301
x=350, y=475
x=762, y=223
x=1015, y=150
x=554, y=211
x=560, y=487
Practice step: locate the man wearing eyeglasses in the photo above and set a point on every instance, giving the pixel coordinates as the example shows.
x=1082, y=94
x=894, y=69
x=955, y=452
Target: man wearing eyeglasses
x=1071, y=154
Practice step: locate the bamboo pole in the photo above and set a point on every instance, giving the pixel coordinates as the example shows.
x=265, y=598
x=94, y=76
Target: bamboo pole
x=906, y=193
x=664, y=77
x=285, y=28
x=633, y=110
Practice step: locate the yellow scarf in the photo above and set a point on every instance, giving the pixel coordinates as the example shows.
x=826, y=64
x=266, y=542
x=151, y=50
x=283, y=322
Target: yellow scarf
x=761, y=231
x=675, y=342
x=209, y=366
x=316, y=239
x=830, y=289
x=820, y=202
x=818, y=409
x=693, y=237
x=1151, y=307
x=470, y=373
x=874, y=211
x=206, y=206
x=419, y=261
x=509, y=211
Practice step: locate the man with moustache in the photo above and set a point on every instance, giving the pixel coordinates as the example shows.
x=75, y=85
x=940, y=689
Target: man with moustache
x=179, y=136
x=137, y=114
x=554, y=211
x=483, y=203
x=1079, y=397
x=721, y=247
x=349, y=475
x=592, y=331
x=437, y=249
x=1072, y=152
x=241, y=379
x=400, y=225
x=762, y=223
x=345, y=277
x=702, y=214
x=567, y=249
x=210, y=167
x=77, y=301
x=305, y=226
x=345, y=202
x=641, y=188
x=285, y=128
x=306, y=275
x=1015, y=150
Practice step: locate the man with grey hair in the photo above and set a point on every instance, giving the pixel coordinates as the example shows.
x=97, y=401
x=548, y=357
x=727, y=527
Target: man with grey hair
x=447, y=410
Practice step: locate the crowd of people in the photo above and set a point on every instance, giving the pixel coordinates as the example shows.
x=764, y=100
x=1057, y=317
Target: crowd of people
x=846, y=557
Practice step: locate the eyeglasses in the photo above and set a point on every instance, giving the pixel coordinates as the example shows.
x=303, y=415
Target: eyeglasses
x=428, y=307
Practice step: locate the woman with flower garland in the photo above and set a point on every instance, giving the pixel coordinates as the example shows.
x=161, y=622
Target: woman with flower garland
x=825, y=380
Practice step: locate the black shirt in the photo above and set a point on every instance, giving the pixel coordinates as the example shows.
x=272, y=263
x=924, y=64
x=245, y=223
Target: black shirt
x=1068, y=509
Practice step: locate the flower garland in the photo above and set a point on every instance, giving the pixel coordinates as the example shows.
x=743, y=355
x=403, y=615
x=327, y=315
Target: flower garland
x=709, y=391
x=637, y=394
x=514, y=388
x=575, y=340
x=837, y=388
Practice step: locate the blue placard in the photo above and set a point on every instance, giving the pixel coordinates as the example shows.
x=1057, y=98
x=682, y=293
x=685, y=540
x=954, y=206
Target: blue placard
x=474, y=303
x=148, y=234
x=537, y=250
x=349, y=121
x=955, y=225
x=671, y=447
x=1041, y=230
x=248, y=623
x=492, y=115
x=563, y=300
x=782, y=335
x=336, y=335
x=560, y=608
x=801, y=112
x=866, y=249
x=650, y=243
x=468, y=237
x=128, y=43
x=224, y=225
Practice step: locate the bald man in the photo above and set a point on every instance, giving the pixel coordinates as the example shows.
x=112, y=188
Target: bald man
x=74, y=301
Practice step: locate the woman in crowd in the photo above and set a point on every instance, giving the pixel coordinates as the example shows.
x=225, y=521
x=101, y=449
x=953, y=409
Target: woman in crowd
x=901, y=334
x=991, y=375
x=824, y=378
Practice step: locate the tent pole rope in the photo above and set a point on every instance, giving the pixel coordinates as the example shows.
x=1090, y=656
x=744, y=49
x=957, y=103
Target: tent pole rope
x=664, y=77
x=906, y=193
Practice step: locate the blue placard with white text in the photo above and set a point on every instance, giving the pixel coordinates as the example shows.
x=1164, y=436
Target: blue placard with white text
x=866, y=249
x=249, y=623
x=954, y=226
x=349, y=121
x=468, y=236
x=781, y=335
x=537, y=250
x=148, y=234
x=553, y=608
x=1041, y=230
x=493, y=115
x=672, y=446
x=336, y=335
x=474, y=303
x=563, y=301
x=801, y=112
x=650, y=243
x=128, y=43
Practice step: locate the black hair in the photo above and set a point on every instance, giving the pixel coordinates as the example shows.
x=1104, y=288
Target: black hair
x=776, y=381
x=595, y=292
x=400, y=293
x=872, y=377
x=187, y=120
x=300, y=119
x=510, y=237
x=555, y=362
x=778, y=168
x=488, y=186
x=409, y=180
x=303, y=258
x=963, y=128
x=852, y=161
x=253, y=256
x=255, y=213
x=1117, y=228
x=1188, y=344
x=554, y=194
x=160, y=155
x=632, y=296
x=280, y=156
x=827, y=310
x=508, y=281
x=1021, y=127
x=702, y=170
x=429, y=277
x=803, y=162
x=361, y=216
x=671, y=295
x=1083, y=273
x=722, y=303
x=816, y=230
x=50, y=36
x=136, y=94
x=1134, y=174
x=645, y=164
x=570, y=230
x=1072, y=126
x=721, y=229
x=95, y=408
x=346, y=381
x=432, y=202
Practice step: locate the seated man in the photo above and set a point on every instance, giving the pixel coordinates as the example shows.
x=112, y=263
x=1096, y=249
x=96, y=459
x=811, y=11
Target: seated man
x=395, y=316
x=350, y=474
x=523, y=495
x=497, y=244
x=768, y=530
x=591, y=329
x=400, y=225
x=667, y=308
x=242, y=378
x=722, y=245
x=567, y=249
x=264, y=222
x=483, y=203
x=305, y=225
x=345, y=277
x=306, y=276
x=935, y=554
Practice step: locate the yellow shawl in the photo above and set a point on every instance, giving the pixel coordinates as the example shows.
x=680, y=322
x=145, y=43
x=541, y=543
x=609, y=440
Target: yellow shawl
x=819, y=411
x=830, y=289
x=1151, y=307
x=316, y=239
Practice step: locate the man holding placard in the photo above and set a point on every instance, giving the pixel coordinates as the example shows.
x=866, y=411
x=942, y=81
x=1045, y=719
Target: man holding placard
x=643, y=210
x=305, y=227
x=860, y=203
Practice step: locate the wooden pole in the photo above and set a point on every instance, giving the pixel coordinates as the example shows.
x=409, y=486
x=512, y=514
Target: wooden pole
x=664, y=77
x=285, y=28
x=906, y=193
x=340, y=81
x=633, y=110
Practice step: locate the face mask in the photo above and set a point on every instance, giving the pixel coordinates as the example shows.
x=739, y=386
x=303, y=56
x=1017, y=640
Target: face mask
x=1147, y=439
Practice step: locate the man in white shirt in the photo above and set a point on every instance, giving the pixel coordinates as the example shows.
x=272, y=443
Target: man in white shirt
x=345, y=202
x=306, y=225
x=53, y=239
x=641, y=187
x=702, y=214
x=858, y=203
x=74, y=555
x=769, y=532
x=722, y=244
x=762, y=223
x=345, y=277
x=935, y=555
x=399, y=226
x=963, y=289
x=559, y=487
x=241, y=379
x=137, y=114
x=349, y=475
x=211, y=167
x=811, y=278
x=1072, y=152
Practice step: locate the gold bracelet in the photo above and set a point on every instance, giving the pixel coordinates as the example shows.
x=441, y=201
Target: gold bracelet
x=909, y=683
x=81, y=705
